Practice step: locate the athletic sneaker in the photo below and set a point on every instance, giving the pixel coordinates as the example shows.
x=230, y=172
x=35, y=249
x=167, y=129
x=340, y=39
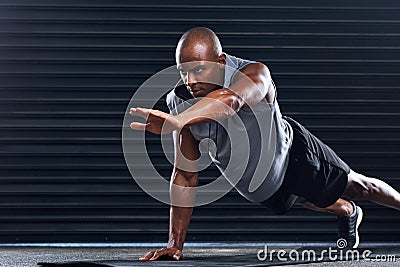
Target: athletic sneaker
x=348, y=227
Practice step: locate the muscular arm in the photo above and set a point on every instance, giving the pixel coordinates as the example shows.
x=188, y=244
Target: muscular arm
x=185, y=176
x=249, y=87
x=183, y=182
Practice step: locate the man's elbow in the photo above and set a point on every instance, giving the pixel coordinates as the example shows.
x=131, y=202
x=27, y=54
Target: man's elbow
x=185, y=178
x=229, y=98
x=183, y=189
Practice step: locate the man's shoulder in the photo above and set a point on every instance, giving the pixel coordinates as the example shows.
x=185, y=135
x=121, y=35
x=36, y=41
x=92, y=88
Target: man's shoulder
x=233, y=66
x=237, y=62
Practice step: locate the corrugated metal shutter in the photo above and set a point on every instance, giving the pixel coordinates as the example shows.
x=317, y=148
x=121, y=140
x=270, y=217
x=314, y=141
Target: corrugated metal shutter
x=69, y=69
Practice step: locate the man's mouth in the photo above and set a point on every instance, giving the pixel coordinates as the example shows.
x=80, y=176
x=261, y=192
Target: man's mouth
x=195, y=91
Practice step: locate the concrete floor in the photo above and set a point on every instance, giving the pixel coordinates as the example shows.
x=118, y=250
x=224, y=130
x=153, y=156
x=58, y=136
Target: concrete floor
x=232, y=255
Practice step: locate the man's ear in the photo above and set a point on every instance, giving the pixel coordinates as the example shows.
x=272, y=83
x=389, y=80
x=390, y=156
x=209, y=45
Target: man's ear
x=222, y=59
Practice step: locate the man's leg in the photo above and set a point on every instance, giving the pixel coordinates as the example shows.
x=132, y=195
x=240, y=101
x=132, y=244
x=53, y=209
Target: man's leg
x=349, y=219
x=360, y=187
x=340, y=208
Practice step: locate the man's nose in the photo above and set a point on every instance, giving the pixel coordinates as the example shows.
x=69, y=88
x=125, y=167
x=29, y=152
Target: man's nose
x=191, y=79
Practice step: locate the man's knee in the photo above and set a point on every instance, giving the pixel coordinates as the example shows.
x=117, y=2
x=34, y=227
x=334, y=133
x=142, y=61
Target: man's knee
x=302, y=201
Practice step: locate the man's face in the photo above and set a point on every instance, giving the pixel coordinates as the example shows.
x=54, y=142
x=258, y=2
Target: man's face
x=201, y=72
x=201, y=77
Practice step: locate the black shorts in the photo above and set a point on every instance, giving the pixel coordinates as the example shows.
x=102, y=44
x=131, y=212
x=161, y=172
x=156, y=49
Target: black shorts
x=315, y=172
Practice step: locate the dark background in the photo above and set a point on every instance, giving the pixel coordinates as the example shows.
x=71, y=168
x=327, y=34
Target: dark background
x=69, y=68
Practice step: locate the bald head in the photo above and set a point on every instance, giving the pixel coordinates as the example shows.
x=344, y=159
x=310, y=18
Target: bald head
x=198, y=44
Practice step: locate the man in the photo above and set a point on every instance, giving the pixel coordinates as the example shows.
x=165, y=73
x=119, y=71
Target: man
x=304, y=169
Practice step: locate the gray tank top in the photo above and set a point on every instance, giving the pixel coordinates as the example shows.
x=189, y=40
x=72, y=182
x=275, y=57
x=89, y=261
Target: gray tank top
x=258, y=173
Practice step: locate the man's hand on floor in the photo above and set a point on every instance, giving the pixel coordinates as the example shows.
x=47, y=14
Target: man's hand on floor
x=163, y=254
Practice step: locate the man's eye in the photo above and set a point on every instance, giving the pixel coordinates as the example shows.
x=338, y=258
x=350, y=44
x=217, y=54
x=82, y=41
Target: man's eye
x=198, y=70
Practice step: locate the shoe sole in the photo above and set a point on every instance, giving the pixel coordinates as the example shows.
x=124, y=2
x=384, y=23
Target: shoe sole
x=359, y=220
